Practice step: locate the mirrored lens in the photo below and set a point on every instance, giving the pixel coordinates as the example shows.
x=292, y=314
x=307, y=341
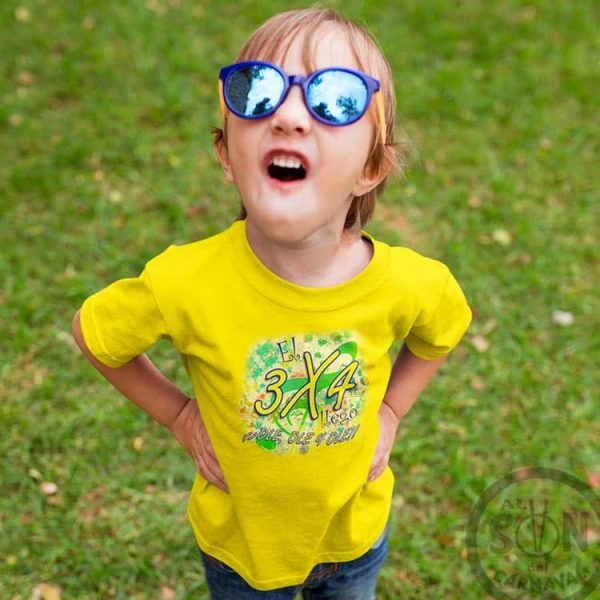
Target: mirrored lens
x=337, y=96
x=254, y=90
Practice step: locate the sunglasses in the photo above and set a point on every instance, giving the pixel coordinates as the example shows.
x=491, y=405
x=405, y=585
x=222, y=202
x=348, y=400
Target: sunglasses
x=334, y=96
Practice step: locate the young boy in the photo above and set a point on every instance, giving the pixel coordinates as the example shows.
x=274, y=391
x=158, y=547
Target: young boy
x=284, y=322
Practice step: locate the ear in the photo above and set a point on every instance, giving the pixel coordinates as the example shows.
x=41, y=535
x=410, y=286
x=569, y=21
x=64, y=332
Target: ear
x=372, y=177
x=223, y=157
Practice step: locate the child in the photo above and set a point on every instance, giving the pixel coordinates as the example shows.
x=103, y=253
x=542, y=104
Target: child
x=284, y=322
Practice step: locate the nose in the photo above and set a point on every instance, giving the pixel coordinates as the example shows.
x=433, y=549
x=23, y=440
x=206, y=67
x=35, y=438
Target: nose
x=292, y=116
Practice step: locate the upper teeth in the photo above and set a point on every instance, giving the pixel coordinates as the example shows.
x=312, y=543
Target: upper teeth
x=288, y=162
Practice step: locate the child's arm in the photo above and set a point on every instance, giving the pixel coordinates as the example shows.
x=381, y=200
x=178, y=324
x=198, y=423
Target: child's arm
x=410, y=375
x=147, y=387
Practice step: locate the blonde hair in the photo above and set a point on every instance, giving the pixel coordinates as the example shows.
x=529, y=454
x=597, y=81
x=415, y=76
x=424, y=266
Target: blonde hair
x=272, y=40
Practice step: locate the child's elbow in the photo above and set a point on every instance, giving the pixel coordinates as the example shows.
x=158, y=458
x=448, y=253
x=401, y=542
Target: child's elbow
x=77, y=333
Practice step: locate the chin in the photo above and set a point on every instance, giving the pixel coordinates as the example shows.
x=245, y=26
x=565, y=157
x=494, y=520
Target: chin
x=278, y=213
x=283, y=228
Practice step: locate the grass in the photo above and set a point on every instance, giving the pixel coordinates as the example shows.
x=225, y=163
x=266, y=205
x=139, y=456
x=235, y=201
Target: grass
x=106, y=159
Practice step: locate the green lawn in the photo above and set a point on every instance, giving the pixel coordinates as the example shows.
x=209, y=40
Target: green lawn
x=106, y=159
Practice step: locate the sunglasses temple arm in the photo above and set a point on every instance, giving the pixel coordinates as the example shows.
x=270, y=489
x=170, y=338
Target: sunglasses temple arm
x=381, y=111
x=221, y=99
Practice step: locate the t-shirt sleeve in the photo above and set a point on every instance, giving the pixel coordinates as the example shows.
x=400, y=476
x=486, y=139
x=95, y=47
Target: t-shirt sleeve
x=122, y=320
x=441, y=322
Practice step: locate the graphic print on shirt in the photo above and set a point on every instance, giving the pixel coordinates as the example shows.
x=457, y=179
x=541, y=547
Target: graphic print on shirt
x=303, y=391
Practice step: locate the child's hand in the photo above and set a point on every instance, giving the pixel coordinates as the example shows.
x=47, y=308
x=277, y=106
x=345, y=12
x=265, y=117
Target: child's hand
x=388, y=425
x=190, y=431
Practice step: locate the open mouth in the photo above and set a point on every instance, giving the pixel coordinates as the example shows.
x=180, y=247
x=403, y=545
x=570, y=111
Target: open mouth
x=286, y=168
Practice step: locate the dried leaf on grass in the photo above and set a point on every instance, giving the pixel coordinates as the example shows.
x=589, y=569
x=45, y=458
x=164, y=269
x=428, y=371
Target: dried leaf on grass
x=398, y=502
x=25, y=78
x=35, y=474
x=591, y=536
x=522, y=473
x=49, y=488
x=489, y=326
x=502, y=237
x=563, y=318
x=46, y=591
x=444, y=540
x=594, y=480
x=477, y=384
x=480, y=343
x=406, y=576
x=23, y=14
x=167, y=593
x=457, y=430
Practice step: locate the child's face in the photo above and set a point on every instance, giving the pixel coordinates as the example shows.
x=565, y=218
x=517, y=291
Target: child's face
x=333, y=157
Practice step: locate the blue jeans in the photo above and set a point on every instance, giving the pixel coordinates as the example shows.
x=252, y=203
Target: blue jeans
x=352, y=580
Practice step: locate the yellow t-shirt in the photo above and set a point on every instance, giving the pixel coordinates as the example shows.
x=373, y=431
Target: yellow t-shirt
x=289, y=380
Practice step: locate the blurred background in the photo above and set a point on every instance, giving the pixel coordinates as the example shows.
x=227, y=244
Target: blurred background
x=106, y=109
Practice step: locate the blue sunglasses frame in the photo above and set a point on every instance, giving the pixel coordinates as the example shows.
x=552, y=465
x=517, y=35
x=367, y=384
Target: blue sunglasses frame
x=372, y=85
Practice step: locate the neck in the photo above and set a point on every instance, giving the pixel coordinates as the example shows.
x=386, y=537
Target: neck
x=327, y=259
